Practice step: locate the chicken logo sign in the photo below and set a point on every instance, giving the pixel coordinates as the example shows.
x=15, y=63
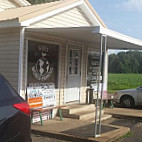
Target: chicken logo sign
x=42, y=70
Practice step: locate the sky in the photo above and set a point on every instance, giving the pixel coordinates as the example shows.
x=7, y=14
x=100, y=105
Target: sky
x=124, y=16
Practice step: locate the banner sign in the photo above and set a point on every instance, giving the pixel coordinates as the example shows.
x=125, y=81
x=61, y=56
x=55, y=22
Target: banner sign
x=93, y=68
x=41, y=96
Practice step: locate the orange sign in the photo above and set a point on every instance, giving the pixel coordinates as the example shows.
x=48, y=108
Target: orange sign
x=35, y=102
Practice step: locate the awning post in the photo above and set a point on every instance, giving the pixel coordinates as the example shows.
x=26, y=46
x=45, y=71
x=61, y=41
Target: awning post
x=103, y=42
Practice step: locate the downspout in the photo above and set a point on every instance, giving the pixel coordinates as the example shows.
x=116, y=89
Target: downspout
x=20, y=76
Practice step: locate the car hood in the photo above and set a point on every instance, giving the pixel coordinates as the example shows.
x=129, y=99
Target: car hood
x=127, y=90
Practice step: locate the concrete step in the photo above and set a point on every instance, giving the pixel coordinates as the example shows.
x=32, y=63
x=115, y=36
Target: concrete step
x=83, y=115
x=103, y=117
x=77, y=108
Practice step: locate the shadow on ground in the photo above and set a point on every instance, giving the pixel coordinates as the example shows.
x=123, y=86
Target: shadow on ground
x=88, y=130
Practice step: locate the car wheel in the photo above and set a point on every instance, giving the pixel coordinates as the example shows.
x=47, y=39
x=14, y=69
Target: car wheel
x=127, y=101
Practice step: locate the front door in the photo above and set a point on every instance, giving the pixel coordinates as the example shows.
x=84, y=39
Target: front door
x=73, y=74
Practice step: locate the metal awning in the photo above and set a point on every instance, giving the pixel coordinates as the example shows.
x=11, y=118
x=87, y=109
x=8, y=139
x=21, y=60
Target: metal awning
x=92, y=35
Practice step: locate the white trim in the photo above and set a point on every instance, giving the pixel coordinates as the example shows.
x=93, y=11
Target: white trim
x=66, y=69
x=90, y=15
x=20, y=80
x=44, y=16
x=86, y=66
x=116, y=35
x=104, y=64
x=59, y=74
x=81, y=71
x=26, y=64
x=106, y=71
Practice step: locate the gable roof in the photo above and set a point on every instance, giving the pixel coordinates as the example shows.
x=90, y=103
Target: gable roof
x=33, y=13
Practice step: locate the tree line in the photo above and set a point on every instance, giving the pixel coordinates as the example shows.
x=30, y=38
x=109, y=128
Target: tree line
x=40, y=1
x=125, y=62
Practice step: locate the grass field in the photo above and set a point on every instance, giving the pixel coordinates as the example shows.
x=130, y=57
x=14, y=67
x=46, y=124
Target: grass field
x=123, y=81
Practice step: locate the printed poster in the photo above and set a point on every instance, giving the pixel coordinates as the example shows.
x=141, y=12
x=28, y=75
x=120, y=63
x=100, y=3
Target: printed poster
x=41, y=96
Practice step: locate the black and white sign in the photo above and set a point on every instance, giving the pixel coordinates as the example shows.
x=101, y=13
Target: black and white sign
x=93, y=68
x=42, y=62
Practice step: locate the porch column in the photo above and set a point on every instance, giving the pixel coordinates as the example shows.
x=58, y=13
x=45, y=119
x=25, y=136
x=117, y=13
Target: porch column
x=105, y=73
x=20, y=77
x=102, y=66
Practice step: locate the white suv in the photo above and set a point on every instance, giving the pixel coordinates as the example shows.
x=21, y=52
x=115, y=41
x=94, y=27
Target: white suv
x=129, y=97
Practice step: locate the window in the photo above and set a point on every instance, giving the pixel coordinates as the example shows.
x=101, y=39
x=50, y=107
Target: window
x=42, y=63
x=73, y=61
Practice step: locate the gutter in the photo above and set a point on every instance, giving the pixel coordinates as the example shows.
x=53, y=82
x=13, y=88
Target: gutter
x=117, y=35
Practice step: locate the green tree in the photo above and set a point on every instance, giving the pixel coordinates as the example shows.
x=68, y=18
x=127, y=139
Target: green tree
x=126, y=62
x=40, y=1
x=115, y=64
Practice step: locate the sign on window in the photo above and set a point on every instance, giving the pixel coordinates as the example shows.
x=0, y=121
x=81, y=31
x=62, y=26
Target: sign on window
x=42, y=62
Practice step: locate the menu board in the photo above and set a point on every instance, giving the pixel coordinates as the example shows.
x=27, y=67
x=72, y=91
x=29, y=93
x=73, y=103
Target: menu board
x=93, y=68
x=41, y=96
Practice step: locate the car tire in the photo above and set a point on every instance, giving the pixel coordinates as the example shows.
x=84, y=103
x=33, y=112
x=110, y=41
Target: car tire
x=127, y=102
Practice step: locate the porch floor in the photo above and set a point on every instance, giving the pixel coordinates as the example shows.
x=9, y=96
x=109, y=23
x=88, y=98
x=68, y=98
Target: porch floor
x=78, y=130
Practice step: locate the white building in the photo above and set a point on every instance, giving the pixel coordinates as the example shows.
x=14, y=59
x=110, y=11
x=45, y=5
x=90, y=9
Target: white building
x=57, y=42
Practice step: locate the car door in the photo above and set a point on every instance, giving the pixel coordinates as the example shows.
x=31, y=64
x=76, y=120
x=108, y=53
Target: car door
x=139, y=95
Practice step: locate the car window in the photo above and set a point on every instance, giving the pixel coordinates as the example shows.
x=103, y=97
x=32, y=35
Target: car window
x=6, y=91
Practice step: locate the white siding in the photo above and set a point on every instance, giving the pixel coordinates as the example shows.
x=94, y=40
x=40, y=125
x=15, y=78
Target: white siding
x=60, y=92
x=9, y=55
x=71, y=18
x=5, y=4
